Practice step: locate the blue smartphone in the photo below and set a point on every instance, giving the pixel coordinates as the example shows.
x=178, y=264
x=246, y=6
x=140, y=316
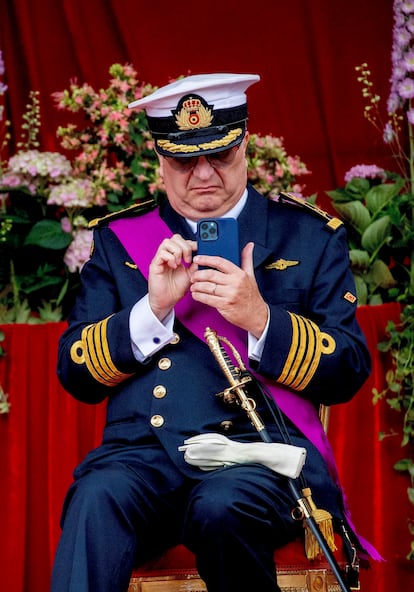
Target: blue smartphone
x=219, y=236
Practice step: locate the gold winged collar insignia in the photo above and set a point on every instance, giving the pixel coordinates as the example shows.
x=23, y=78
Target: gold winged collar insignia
x=282, y=264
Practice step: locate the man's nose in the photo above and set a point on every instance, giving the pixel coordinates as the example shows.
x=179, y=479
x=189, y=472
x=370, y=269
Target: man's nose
x=203, y=168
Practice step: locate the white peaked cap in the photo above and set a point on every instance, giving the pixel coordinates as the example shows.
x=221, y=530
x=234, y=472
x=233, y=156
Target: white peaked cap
x=222, y=90
x=199, y=114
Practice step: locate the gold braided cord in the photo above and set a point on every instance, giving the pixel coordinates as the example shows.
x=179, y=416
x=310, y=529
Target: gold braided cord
x=90, y=356
x=329, y=348
x=92, y=349
x=296, y=353
x=328, y=343
x=310, y=336
x=307, y=346
x=77, y=354
x=225, y=141
x=103, y=359
x=95, y=361
x=313, y=365
x=103, y=348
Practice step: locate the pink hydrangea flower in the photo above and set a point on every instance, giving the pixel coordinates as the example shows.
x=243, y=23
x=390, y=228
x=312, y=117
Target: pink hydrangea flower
x=365, y=171
x=78, y=252
x=66, y=224
x=77, y=193
x=44, y=164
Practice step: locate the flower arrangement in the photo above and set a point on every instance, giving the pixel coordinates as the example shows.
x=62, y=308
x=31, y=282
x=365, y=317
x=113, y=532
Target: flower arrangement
x=271, y=170
x=377, y=207
x=47, y=199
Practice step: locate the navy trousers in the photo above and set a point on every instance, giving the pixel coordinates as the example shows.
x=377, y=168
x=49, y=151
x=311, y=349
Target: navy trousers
x=128, y=503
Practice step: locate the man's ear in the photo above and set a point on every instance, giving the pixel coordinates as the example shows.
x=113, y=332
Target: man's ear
x=244, y=144
x=161, y=161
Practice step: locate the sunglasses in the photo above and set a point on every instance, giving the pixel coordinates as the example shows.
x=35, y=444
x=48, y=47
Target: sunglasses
x=218, y=160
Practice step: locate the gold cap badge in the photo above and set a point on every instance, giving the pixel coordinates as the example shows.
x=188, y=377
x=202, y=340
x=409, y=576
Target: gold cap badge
x=193, y=114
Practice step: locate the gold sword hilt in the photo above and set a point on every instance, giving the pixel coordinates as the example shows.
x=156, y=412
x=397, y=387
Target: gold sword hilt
x=234, y=376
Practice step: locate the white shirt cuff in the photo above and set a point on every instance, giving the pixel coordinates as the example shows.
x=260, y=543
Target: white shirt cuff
x=148, y=334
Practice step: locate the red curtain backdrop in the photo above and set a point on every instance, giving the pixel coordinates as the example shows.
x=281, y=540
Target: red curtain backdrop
x=305, y=52
x=42, y=439
x=47, y=433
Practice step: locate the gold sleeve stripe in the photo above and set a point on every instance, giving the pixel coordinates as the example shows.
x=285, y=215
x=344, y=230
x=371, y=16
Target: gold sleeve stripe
x=296, y=352
x=309, y=338
x=307, y=346
x=93, y=350
x=97, y=366
x=102, y=350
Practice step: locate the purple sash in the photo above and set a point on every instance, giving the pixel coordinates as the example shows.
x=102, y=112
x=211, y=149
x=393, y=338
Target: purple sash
x=141, y=237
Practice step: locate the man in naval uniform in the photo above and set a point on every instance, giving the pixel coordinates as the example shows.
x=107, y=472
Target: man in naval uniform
x=178, y=463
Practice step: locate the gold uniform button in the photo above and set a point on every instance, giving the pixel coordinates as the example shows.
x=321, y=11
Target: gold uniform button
x=175, y=339
x=226, y=425
x=164, y=364
x=159, y=391
x=157, y=421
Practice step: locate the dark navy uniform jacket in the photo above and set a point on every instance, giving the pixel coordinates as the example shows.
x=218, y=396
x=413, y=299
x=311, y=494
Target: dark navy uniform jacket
x=313, y=345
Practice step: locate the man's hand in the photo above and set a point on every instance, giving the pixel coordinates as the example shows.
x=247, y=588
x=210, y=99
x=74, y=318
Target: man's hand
x=169, y=274
x=231, y=290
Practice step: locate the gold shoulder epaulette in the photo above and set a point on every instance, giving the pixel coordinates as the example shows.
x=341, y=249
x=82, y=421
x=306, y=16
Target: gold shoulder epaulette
x=138, y=208
x=331, y=222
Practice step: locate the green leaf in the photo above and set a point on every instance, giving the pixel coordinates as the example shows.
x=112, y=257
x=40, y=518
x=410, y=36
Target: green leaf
x=29, y=286
x=49, y=235
x=380, y=195
x=383, y=346
x=403, y=465
x=139, y=191
x=355, y=213
x=359, y=259
x=63, y=292
x=340, y=195
x=22, y=312
x=376, y=234
x=361, y=290
x=380, y=275
x=49, y=313
x=137, y=167
x=358, y=186
x=16, y=218
x=375, y=300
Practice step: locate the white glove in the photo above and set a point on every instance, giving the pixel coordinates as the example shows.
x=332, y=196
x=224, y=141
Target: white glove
x=212, y=451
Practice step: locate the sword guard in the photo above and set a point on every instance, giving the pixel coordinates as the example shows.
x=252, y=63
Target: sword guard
x=229, y=394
